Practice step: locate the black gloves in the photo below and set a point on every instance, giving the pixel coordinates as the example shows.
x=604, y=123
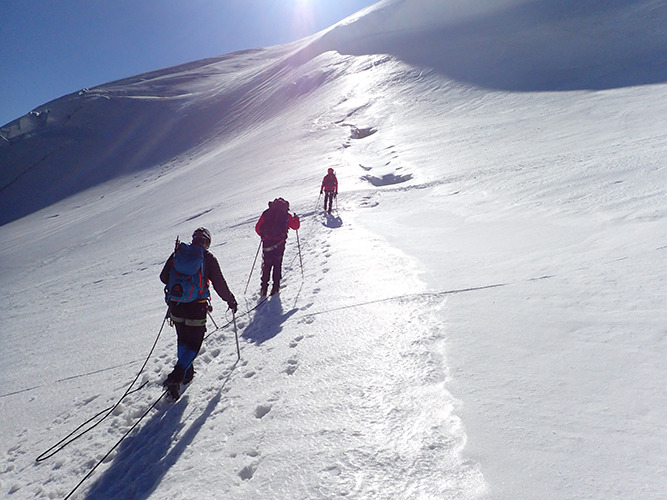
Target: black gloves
x=233, y=305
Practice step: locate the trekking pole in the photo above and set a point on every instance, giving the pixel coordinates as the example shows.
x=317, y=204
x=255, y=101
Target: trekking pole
x=299, y=246
x=214, y=323
x=253, y=267
x=318, y=200
x=236, y=334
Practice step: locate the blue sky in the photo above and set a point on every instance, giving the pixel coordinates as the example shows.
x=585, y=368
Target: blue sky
x=49, y=48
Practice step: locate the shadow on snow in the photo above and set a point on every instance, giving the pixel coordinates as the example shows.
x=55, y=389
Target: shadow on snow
x=267, y=321
x=332, y=222
x=144, y=458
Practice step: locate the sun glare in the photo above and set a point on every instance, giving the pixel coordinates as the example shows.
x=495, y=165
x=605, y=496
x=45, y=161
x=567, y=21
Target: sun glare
x=303, y=19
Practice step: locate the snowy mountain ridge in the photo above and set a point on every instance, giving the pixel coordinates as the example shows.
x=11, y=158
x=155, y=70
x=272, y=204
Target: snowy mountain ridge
x=482, y=316
x=201, y=99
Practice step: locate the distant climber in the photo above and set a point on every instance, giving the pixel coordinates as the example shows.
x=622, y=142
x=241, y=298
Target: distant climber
x=272, y=227
x=186, y=275
x=330, y=188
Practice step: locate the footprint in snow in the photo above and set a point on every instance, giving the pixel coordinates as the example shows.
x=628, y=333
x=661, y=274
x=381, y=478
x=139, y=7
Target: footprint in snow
x=248, y=472
x=262, y=410
x=296, y=341
x=293, y=364
x=334, y=470
x=307, y=320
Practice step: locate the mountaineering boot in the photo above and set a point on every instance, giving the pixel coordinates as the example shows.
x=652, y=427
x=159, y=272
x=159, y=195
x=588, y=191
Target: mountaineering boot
x=175, y=377
x=173, y=382
x=189, y=375
x=264, y=290
x=275, y=289
x=174, y=389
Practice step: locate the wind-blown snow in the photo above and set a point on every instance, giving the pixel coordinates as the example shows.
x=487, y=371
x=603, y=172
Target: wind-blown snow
x=483, y=316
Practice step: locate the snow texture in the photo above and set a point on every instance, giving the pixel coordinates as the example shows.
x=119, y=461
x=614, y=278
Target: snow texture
x=482, y=316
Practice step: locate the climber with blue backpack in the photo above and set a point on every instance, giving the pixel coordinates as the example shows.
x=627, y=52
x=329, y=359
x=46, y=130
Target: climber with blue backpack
x=186, y=276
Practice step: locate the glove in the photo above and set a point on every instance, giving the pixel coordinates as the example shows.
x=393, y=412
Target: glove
x=233, y=305
x=320, y=191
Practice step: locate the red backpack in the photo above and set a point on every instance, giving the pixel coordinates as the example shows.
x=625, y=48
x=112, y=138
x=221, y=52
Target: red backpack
x=275, y=220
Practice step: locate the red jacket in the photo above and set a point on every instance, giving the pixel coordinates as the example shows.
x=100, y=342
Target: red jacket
x=276, y=233
x=329, y=183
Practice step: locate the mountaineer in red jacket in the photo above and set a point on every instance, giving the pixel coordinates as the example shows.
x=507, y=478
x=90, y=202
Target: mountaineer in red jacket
x=272, y=227
x=330, y=188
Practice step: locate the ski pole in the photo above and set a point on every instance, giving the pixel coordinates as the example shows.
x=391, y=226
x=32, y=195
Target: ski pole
x=236, y=334
x=318, y=200
x=253, y=267
x=299, y=245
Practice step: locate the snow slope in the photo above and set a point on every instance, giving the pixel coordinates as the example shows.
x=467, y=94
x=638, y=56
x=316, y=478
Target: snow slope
x=482, y=317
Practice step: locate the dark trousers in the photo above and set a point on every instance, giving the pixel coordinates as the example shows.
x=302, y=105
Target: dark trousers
x=189, y=337
x=328, y=198
x=272, y=262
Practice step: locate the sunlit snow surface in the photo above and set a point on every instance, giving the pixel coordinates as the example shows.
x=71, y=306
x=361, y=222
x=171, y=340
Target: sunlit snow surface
x=482, y=316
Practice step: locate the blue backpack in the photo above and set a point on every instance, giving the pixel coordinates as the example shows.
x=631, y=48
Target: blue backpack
x=186, y=278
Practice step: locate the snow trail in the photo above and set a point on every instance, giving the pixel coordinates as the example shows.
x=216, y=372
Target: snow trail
x=365, y=380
